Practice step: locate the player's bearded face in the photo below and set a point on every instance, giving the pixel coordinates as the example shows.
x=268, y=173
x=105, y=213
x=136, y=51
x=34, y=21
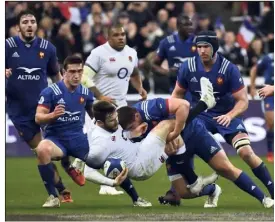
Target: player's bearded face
x=205, y=52
x=27, y=27
x=111, y=122
x=73, y=74
x=117, y=39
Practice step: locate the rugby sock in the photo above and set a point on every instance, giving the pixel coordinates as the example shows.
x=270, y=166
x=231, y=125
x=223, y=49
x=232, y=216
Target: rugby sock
x=208, y=190
x=60, y=186
x=194, y=112
x=270, y=141
x=263, y=175
x=130, y=189
x=47, y=175
x=65, y=163
x=247, y=185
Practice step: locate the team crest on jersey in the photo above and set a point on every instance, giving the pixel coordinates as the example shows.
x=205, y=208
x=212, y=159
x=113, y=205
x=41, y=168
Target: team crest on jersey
x=112, y=59
x=41, y=55
x=130, y=58
x=113, y=138
x=81, y=100
x=219, y=80
x=193, y=48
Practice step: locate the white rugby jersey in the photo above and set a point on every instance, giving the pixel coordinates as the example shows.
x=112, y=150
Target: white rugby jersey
x=113, y=69
x=104, y=144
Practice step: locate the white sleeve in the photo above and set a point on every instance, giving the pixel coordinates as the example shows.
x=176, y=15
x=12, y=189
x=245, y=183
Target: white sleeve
x=94, y=176
x=98, y=153
x=136, y=60
x=93, y=61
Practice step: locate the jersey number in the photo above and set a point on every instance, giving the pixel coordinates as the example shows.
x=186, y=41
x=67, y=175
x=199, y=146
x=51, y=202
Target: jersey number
x=122, y=73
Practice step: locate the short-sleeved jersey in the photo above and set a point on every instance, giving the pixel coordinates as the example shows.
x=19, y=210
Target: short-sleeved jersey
x=113, y=69
x=70, y=125
x=266, y=66
x=31, y=63
x=224, y=76
x=175, y=50
x=155, y=110
x=111, y=145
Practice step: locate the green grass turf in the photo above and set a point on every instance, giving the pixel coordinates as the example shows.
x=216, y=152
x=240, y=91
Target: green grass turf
x=25, y=194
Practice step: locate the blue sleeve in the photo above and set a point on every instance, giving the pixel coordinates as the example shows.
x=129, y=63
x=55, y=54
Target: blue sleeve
x=262, y=64
x=46, y=98
x=161, y=50
x=53, y=66
x=235, y=80
x=181, y=76
x=6, y=54
x=156, y=109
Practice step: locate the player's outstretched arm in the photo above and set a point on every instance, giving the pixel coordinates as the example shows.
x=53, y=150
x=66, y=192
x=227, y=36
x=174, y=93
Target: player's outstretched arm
x=43, y=115
x=94, y=176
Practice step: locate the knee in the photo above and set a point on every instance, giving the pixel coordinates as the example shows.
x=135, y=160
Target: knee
x=246, y=153
x=228, y=171
x=44, y=149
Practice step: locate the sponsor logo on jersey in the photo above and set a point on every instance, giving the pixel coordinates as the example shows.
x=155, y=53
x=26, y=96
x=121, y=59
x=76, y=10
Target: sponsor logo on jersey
x=172, y=48
x=29, y=71
x=73, y=116
x=219, y=80
x=193, y=48
x=61, y=101
x=213, y=149
x=112, y=59
x=130, y=58
x=81, y=100
x=15, y=55
x=240, y=127
x=41, y=100
x=194, y=79
x=41, y=55
x=162, y=159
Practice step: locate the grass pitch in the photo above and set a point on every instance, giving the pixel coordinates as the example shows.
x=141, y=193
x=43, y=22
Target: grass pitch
x=25, y=195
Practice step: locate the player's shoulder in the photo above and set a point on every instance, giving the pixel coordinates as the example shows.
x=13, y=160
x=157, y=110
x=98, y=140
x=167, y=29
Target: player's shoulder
x=99, y=50
x=11, y=42
x=168, y=40
x=189, y=64
x=84, y=90
x=130, y=49
x=55, y=89
x=45, y=44
x=225, y=65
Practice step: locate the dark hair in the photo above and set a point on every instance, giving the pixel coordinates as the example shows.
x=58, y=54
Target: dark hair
x=115, y=26
x=23, y=13
x=126, y=115
x=181, y=17
x=73, y=59
x=101, y=109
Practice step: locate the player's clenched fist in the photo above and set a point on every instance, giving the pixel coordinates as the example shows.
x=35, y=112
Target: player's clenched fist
x=59, y=110
x=8, y=73
x=121, y=177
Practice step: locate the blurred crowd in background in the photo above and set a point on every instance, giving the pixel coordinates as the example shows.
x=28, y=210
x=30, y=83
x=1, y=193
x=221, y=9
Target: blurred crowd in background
x=79, y=27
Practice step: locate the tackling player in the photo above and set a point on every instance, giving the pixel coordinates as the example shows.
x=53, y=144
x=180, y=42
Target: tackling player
x=29, y=60
x=107, y=72
x=231, y=97
x=60, y=111
x=266, y=66
x=176, y=49
x=197, y=140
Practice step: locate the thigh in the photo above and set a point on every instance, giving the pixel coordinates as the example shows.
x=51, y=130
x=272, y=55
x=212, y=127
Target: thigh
x=58, y=147
x=78, y=147
x=268, y=104
x=208, y=122
x=27, y=130
x=204, y=145
x=236, y=126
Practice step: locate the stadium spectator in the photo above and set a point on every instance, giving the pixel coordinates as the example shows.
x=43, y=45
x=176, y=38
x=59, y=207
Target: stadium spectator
x=162, y=18
x=232, y=51
x=204, y=24
x=96, y=9
x=172, y=26
x=255, y=52
x=86, y=42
